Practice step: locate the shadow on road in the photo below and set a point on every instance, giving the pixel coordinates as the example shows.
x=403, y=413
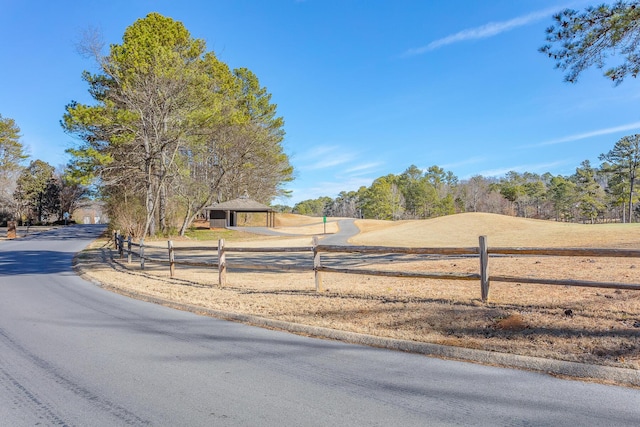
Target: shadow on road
x=37, y=254
x=34, y=262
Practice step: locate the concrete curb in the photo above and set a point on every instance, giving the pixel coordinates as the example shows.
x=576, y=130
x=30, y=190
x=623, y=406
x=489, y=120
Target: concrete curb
x=607, y=374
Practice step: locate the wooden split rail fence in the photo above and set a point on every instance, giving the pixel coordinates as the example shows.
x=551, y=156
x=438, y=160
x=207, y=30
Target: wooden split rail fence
x=482, y=251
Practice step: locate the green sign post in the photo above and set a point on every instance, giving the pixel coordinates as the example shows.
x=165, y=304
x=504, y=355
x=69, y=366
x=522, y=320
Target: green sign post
x=324, y=223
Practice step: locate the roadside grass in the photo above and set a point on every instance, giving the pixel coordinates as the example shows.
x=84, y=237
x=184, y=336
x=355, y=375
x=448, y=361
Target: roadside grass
x=600, y=326
x=202, y=234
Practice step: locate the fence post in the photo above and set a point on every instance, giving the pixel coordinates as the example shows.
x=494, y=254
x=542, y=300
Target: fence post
x=172, y=260
x=484, y=268
x=222, y=264
x=141, y=254
x=115, y=238
x=316, y=264
x=121, y=245
x=129, y=255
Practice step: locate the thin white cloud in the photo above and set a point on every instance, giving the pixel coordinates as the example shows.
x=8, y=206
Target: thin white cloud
x=330, y=160
x=599, y=132
x=323, y=157
x=364, y=168
x=320, y=150
x=484, y=31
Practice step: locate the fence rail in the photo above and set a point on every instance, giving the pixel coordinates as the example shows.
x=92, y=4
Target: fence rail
x=399, y=250
x=482, y=252
x=577, y=252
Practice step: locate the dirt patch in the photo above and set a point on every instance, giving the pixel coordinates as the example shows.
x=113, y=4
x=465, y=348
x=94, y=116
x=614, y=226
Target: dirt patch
x=600, y=326
x=513, y=322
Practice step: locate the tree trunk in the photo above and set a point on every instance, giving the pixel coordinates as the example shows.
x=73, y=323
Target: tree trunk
x=40, y=207
x=162, y=208
x=150, y=223
x=192, y=213
x=631, y=183
x=186, y=222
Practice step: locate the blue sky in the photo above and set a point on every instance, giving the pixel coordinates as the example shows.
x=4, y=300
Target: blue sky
x=366, y=88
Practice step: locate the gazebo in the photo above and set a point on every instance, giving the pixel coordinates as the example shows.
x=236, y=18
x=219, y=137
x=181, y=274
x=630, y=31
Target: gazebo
x=225, y=214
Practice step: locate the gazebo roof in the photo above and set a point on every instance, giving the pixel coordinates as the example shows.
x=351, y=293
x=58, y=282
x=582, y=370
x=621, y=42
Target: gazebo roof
x=241, y=204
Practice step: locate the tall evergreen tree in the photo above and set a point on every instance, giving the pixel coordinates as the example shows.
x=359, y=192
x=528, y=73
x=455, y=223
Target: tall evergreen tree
x=383, y=199
x=580, y=40
x=623, y=162
x=562, y=193
x=31, y=193
x=590, y=194
x=170, y=119
x=11, y=156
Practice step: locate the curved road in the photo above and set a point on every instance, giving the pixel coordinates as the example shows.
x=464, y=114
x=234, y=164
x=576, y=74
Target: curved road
x=347, y=228
x=72, y=353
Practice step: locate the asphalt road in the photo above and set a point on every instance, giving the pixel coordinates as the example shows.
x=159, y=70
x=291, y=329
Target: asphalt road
x=72, y=353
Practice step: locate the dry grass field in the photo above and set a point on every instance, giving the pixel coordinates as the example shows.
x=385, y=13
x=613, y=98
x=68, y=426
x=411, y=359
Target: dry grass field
x=592, y=325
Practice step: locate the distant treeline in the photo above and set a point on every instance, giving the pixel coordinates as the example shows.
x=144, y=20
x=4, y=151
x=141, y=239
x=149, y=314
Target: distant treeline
x=590, y=195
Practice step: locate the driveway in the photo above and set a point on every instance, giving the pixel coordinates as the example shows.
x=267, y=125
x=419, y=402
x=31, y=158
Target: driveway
x=346, y=229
